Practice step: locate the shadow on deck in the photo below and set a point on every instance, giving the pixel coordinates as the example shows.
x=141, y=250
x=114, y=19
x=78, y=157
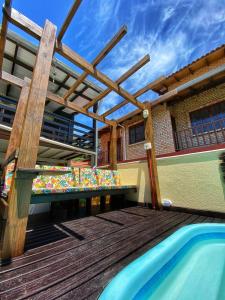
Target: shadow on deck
x=82, y=255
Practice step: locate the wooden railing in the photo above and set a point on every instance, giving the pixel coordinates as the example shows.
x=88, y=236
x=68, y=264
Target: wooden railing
x=54, y=127
x=200, y=135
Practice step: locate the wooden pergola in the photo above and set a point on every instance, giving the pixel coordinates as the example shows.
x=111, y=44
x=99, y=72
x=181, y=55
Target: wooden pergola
x=24, y=139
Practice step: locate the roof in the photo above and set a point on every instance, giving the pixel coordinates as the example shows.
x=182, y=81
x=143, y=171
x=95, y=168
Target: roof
x=19, y=59
x=49, y=152
x=161, y=86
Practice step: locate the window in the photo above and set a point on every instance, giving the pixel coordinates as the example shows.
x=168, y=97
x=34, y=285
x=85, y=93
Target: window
x=136, y=133
x=208, y=118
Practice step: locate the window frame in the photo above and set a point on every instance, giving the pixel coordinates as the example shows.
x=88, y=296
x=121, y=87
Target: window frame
x=210, y=125
x=134, y=126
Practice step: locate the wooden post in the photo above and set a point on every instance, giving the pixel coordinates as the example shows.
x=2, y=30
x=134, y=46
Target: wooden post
x=4, y=28
x=95, y=137
x=14, y=232
x=17, y=127
x=152, y=163
x=113, y=148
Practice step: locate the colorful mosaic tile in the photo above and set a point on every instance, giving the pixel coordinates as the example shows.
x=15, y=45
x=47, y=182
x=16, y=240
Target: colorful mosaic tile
x=105, y=177
x=54, y=168
x=8, y=177
x=83, y=179
x=88, y=177
x=76, y=175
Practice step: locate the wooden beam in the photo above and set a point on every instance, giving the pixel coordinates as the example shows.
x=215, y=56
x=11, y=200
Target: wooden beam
x=137, y=94
x=62, y=83
x=9, y=78
x=4, y=28
x=111, y=44
x=68, y=19
x=58, y=66
x=149, y=86
x=23, y=22
x=37, y=96
x=17, y=127
x=13, y=235
x=120, y=80
x=57, y=99
x=115, y=108
x=113, y=148
x=152, y=163
x=12, y=69
x=30, y=68
x=29, y=26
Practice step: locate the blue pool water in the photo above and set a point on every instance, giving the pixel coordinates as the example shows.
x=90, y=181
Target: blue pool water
x=197, y=272
x=190, y=264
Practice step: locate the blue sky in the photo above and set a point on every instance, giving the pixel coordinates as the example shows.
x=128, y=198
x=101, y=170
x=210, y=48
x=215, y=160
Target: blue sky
x=174, y=33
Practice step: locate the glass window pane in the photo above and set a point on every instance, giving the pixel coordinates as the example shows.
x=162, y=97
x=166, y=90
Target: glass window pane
x=208, y=118
x=136, y=133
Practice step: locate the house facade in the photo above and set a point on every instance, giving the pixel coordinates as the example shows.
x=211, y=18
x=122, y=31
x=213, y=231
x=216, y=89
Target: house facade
x=189, y=113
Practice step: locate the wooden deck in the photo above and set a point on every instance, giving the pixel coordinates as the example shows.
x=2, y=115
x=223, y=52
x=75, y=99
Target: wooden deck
x=76, y=259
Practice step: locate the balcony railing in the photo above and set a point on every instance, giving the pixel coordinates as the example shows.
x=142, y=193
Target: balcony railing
x=200, y=135
x=54, y=127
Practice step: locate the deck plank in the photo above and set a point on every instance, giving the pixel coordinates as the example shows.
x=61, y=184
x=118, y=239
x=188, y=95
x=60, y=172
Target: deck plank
x=91, y=251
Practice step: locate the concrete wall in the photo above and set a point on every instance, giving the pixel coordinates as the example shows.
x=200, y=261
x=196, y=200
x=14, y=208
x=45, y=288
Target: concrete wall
x=189, y=181
x=136, y=173
x=193, y=181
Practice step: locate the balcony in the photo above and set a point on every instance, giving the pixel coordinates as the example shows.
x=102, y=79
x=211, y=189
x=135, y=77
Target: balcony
x=54, y=127
x=200, y=136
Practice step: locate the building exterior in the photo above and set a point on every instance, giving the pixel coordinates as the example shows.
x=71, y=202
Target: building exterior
x=188, y=114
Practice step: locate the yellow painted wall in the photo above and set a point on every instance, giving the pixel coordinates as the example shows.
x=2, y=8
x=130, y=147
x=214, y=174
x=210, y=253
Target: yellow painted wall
x=190, y=181
x=193, y=181
x=136, y=173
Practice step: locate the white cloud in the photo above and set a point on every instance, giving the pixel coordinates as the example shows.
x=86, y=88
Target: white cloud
x=211, y=13
x=168, y=13
x=173, y=32
x=163, y=55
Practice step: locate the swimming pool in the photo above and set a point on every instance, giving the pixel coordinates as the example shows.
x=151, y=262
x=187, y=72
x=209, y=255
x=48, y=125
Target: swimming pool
x=189, y=264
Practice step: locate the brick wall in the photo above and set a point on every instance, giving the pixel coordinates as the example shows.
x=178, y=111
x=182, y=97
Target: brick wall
x=181, y=110
x=163, y=135
x=134, y=150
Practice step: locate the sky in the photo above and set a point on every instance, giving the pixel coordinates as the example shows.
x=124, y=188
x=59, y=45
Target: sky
x=172, y=32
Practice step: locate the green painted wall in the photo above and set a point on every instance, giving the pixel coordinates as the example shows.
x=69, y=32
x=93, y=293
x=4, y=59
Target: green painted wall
x=193, y=181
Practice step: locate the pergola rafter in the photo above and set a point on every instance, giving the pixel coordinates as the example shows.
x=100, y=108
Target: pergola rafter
x=136, y=94
x=68, y=19
x=35, y=93
x=57, y=99
x=120, y=80
x=111, y=44
x=8, y=4
x=36, y=31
